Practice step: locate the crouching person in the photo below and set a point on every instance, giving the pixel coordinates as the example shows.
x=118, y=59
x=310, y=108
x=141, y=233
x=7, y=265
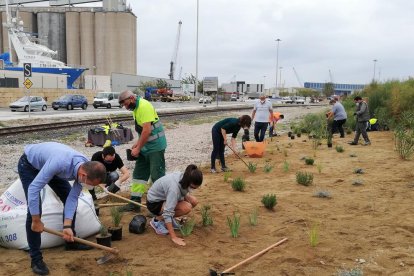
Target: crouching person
x=54, y=164
x=170, y=197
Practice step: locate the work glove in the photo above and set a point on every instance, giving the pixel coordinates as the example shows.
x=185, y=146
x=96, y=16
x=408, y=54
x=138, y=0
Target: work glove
x=113, y=188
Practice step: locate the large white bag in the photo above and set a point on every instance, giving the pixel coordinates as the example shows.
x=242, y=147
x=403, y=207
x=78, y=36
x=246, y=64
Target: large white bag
x=13, y=212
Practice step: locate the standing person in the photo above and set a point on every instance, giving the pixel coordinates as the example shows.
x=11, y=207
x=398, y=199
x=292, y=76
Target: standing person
x=219, y=136
x=170, y=197
x=54, y=164
x=149, y=149
x=261, y=110
x=339, y=117
x=112, y=161
x=274, y=118
x=362, y=113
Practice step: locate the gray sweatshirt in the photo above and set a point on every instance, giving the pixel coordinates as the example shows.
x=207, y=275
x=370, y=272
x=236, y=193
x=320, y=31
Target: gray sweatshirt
x=362, y=112
x=168, y=189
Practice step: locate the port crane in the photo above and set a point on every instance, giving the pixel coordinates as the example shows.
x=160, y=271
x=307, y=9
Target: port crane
x=297, y=77
x=173, y=62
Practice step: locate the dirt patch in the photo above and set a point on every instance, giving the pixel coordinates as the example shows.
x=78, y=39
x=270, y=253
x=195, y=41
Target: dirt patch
x=369, y=226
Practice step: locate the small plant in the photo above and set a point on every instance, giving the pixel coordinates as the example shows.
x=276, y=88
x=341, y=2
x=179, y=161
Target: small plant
x=252, y=167
x=226, y=176
x=268, y=168
x=339, y=149
x=314, y=235
x=238, y=184
x=404, y=142
x=253, y=217
x=116, y=216
x=359, y=171
x=352, y=155
x=351, y=272
x=304, y=178
x=358, y=182
x=322, y=194
x=285, y=166
x=234, y=225
x=103, y=231
x=309, y=161
x=269, y=201
x=319, y=166
x=285, y=152
x=206, y=216
x=187, y=228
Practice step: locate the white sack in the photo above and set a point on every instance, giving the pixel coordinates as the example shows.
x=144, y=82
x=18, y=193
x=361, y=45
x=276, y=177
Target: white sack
x=13, y=212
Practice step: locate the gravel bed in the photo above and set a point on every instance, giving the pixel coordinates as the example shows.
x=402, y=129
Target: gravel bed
x=188, y=138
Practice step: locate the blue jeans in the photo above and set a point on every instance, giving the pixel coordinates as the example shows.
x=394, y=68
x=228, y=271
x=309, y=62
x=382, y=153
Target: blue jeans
x=218, y=148
x=261, y=128
x=60, y=186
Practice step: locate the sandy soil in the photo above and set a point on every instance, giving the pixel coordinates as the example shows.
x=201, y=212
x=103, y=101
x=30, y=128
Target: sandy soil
x=368, y=227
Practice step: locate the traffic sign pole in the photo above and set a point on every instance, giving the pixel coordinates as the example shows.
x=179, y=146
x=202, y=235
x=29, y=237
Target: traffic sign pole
x=27, y=72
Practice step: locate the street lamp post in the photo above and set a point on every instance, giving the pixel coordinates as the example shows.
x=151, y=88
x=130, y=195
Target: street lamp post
x=196, y=76
x=264, y=83
x=277, y=59
x=375, y=62
x=280, y=76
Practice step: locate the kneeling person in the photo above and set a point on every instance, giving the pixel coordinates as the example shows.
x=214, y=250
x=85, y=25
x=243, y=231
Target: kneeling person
x=170, y=197
x=112, y=161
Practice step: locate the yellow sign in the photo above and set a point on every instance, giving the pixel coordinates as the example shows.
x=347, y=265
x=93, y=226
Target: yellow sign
x=28, y=83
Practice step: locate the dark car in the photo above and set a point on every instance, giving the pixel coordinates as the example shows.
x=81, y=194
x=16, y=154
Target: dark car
x=70, y=102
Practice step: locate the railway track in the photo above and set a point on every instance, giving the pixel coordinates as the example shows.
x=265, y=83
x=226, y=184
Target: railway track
x=124, y=118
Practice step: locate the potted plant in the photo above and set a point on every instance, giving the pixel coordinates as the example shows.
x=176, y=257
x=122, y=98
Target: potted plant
x=116, y=229
x=103, y=238
x=329, y=140
x=289, y=133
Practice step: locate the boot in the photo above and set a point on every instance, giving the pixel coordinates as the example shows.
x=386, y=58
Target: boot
x=131, y=207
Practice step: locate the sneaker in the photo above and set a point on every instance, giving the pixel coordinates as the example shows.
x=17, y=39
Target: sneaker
x=40, y=268
x=159, y=227
x=75, y=246
x=213, y=171
x=353, y=143
x=225, y=169
x=367, y=143
x=176, y=225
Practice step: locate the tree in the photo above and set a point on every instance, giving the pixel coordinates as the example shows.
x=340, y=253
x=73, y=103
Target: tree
x=328, y=89
x=162, y=84
x=283, y=93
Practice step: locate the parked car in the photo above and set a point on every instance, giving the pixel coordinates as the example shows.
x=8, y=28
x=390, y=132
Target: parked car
x=22, y=104
x=206, y=99
x=70, y=101
x=233, y=98
x=106, y=99
x=298, y=100
x=287, y=100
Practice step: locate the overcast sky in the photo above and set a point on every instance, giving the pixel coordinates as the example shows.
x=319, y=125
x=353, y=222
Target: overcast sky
x=237, y=39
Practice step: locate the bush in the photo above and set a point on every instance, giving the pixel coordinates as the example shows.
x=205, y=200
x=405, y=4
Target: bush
x=116, y=216
x=226, y=176
x=309, y=161
x=404, y=135
x=269, y=201
x=187, y=228
x=304, y=178
x=206, y=216
x=268, y=168
x=238, y=184
x=234, y=225
x=339, y=149
x=252, y=167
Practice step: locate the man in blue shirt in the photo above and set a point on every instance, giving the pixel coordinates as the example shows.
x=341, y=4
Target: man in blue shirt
x=339, y=117
x=54, y=164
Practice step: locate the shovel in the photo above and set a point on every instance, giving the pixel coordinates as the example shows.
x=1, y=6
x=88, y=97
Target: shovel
x=113, y=252
x=238, y=156
x=227, y=271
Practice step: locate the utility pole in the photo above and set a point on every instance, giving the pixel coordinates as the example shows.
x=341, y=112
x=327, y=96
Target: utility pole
x=277, y=59
x=196, y=76
x=375, y=62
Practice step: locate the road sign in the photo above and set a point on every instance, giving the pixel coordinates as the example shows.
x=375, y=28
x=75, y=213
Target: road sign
x=27, y=69
x=28, y=83
x=210, y=84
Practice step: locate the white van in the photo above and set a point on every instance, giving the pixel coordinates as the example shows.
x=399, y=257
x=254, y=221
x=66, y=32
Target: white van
x=106, y=99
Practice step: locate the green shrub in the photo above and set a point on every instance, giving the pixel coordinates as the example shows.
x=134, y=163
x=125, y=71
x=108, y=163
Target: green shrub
x=238, y=184
x=103, y=231
x=234, y=225
x=404, y=136
x=252, y=167
x=187, y=228
x=116, y=216
x=269, y=201
x=206, y=216
x=268, y=168
x=309, y=161
x=339, y=149
x=226, y=176
x=304, y=178
x=285, y=166
x=253, y=217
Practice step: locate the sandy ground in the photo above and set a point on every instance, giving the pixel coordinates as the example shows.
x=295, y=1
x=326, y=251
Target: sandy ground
x=369, y=227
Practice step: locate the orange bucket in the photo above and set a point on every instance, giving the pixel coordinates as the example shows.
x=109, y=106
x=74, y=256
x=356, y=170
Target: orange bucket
x=254, y=149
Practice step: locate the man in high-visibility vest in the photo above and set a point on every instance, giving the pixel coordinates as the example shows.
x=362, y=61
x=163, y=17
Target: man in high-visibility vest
x=148, y=149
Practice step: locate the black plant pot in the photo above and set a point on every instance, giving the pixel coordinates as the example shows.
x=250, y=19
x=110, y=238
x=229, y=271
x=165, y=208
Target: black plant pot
x=329, y=145
x=116, y=233
x=106, y=241
x=292, y=137
x=289, y=133
x=299, y=134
